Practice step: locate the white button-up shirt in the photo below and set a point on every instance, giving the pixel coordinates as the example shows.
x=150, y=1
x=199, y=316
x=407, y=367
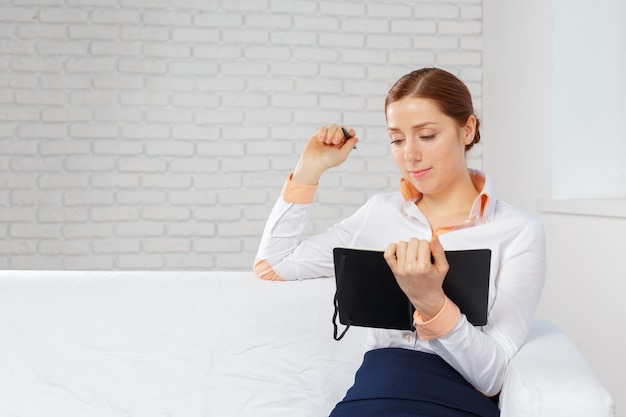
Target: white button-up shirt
x=517, y=273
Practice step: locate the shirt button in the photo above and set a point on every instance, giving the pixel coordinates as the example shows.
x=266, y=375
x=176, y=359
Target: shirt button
x=408, y=338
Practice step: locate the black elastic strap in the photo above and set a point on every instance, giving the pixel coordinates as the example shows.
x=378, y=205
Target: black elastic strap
x=335, y=327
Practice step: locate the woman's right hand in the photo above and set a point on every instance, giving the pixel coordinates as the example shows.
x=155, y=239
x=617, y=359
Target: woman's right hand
x=326, y=149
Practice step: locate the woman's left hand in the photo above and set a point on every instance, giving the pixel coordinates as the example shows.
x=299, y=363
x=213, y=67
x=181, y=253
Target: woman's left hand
x=418, y=276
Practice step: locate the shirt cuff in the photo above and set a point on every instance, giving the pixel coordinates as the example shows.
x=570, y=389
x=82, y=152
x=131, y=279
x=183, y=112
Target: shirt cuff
x=440, y=325
x=298, y=193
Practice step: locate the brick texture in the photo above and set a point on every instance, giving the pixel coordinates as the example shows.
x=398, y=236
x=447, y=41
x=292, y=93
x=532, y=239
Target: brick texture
x=155, y=134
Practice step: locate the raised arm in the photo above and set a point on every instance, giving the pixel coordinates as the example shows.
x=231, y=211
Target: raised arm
x=282, y=254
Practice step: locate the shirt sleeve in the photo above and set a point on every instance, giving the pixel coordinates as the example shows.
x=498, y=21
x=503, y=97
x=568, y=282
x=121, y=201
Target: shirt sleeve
x=441, y=324
x=481, y=355
x=283, y=253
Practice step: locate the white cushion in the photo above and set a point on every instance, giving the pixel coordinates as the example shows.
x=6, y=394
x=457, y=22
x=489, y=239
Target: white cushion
x=548, y=377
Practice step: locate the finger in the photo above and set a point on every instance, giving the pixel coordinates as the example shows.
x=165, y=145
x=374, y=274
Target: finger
x=390, y=256
x=335, y=134
x=401, y=250
x=321, y=134
x=350, y=135
x=423, y=255
x=329, y=133
x=351, y=143
x=412, y=250
x=327, y=137
x=439, y=254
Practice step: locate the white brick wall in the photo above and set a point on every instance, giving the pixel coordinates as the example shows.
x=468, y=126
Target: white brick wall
x=156, y=134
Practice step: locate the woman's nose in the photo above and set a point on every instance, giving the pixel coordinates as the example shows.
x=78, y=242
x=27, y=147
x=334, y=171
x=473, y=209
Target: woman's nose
x=412, y=150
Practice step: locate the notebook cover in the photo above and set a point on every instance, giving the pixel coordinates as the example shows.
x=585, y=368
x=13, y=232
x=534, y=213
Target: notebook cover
x=368, y=295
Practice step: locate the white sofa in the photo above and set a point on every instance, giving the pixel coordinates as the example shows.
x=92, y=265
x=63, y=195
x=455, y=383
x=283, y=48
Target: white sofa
x=192, y=344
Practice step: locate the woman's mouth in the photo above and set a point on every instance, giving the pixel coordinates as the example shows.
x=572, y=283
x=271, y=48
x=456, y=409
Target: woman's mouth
x=419, y=173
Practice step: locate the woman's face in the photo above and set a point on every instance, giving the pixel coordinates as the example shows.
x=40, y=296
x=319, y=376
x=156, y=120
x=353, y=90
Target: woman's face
x=427, y=146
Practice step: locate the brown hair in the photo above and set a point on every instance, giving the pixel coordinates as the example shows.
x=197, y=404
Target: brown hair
x=445, y=89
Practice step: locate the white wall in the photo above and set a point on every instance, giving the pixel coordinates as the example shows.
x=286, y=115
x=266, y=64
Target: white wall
x=586, y=277
x=589, y=101
x=156, y=134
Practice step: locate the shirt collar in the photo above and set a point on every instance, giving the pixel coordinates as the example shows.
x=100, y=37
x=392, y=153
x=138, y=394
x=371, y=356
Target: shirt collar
x=484, y=205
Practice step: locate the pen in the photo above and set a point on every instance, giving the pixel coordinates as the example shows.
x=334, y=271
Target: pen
x=346, y=134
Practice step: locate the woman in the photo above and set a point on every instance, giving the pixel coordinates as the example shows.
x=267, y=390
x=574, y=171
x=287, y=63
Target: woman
x=447, y=367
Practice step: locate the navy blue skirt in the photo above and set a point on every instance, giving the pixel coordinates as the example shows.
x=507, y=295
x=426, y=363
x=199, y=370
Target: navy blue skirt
x=401, y=382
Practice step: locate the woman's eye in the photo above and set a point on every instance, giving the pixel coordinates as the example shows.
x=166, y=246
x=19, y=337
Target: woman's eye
x=396, y=141
x=427, y=137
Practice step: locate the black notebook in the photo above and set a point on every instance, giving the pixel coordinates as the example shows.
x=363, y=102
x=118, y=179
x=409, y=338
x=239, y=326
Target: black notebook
x=368, y=294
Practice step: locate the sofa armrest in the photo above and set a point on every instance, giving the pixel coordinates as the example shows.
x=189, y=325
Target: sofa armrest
x=548, y=377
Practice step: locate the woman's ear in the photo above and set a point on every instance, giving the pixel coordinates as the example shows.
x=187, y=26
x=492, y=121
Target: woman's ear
x=470, y=130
